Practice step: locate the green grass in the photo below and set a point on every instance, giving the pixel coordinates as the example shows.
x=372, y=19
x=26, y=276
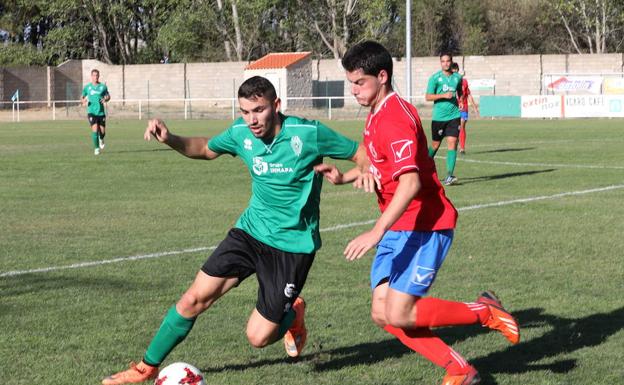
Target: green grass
x=556, y=263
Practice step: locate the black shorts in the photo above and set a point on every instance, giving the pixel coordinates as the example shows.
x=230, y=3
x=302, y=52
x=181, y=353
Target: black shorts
x=440, y=129
x=281, y=275
x=99, y=120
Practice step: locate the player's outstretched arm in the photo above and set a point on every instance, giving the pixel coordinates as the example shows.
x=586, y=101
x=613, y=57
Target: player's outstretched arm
x=192, y=147
x=409, y=185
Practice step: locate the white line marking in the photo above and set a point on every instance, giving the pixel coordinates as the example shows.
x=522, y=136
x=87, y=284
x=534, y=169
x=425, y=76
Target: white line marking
x=560, y=165
x=326, y=229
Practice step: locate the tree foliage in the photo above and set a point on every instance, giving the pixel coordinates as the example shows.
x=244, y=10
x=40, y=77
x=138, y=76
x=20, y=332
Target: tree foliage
x=142, y=31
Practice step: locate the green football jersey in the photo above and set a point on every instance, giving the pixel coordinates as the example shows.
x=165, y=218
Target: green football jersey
x=94, y=94
x=283, y=211
x=440, y=83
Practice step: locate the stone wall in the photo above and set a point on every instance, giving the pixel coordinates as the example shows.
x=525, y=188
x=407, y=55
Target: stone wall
x=515, y=75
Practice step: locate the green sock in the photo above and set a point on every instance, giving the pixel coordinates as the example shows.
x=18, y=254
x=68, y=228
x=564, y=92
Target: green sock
x=451, y=158
x=286, y=322
x=173, y=330
x=432, y=152
x=94, y=138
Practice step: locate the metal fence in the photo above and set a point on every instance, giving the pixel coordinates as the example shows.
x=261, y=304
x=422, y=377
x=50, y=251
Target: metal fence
x=185, y=109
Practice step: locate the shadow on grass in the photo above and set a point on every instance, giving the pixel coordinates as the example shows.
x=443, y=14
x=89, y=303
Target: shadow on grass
x=487, y=178
x=566, y=335
x=498, y=150
x=37, y=283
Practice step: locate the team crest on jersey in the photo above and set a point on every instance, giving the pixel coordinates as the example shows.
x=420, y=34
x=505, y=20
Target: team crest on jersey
x=247, y=143
x=402, y=149
x=296, y=144
x=259, y=166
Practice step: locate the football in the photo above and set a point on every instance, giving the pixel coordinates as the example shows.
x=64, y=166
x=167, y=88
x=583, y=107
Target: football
x=180, y=373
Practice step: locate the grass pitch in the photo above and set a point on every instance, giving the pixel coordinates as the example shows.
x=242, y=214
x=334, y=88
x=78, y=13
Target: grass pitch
x=536, y=224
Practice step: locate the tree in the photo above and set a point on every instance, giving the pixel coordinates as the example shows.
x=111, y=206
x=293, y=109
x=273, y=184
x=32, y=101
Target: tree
x=593, y=26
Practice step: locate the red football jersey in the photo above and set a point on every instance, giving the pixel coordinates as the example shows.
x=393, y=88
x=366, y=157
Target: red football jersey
x=396, y=143
x=464, y=96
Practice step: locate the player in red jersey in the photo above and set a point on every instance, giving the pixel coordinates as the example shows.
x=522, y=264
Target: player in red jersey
x=466, y=97
x=415, y=230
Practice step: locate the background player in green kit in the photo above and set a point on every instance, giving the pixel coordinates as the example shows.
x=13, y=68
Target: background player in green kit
x=276, y=237
x=94, y=95
x=443, y=89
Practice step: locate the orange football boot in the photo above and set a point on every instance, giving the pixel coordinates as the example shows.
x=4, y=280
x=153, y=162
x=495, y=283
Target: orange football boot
x=295, y=337
x=500, y=319
x=137, y=373
x=470, y=378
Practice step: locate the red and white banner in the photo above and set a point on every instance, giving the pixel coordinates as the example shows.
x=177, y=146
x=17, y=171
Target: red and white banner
x=573, y=84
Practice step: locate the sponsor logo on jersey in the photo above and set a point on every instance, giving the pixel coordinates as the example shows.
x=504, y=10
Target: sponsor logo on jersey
x=423, y=276
x=371, y=148
x=373, y=170
x=402, y=149
x=259, y=166
x=247, y=143
x=290, y=290
x=296, y=144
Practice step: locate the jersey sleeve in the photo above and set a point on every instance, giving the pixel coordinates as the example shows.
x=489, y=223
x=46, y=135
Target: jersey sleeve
x=84, y=91
x=400, y=145
x=105, y=91
x=431, y=86
x=332, y=144
x=224, y=143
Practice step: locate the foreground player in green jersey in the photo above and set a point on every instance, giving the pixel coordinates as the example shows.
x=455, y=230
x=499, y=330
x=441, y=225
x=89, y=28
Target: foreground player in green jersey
x=444, y=90
x=94, y=95
x=276, y=237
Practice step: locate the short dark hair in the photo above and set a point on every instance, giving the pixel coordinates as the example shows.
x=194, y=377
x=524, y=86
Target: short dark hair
x=369, y=56
x=454, y=66
x=96, y=71
x=450, y=55
x=257, y=87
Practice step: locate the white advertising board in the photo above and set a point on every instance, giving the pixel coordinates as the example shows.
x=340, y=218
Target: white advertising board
x=541, y=106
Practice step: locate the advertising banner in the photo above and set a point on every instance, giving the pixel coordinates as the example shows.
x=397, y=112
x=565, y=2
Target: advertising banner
x=614, y=86
x=482, y=84
x=594, y=106
x=573, y=84
x=541, y=106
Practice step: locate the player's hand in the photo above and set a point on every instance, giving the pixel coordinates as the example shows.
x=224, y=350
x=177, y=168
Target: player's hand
x=367, y=182
x=448, y=95
x=360, y=245
x=330, y=172
x=157, y=129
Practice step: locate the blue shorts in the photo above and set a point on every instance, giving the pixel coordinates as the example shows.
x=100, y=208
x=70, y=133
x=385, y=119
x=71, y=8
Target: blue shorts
x=463, y=115
x=410, y=260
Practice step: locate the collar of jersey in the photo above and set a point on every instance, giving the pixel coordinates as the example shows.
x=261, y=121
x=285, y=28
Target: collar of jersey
x=383, y=102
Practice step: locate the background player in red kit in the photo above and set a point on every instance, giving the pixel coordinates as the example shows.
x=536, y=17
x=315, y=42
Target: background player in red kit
x=466, y=97
x=415, y=230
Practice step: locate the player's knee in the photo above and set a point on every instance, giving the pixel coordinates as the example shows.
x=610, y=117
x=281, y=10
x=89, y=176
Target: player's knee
x=378, y=317
x=398, y=319
x=257, y=340
x=190, y=303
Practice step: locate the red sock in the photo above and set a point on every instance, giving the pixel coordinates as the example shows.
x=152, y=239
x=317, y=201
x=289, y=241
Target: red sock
x=425, y=342
x=434, y=312
x=462, y=139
